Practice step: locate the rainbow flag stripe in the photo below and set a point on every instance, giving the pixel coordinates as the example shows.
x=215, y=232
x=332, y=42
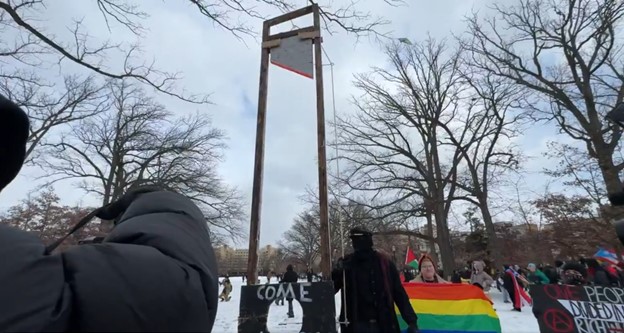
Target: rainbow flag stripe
x=450, y=308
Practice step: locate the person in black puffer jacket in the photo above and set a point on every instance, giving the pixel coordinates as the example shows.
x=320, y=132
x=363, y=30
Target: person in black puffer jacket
x=156, y=270
x=290, y=277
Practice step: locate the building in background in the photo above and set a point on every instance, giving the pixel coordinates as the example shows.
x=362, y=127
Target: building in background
x=233, y=261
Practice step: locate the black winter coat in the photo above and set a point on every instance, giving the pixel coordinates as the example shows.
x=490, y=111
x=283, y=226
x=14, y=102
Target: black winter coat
x=156, y=271
x=373, y=287
x=290, y=276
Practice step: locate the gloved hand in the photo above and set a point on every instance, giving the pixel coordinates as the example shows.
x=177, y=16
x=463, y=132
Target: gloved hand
x=339, y=265
x=413, y=328
x=342, y=264
x=115, y=209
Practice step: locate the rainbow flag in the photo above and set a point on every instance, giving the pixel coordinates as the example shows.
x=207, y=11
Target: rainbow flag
x=450, y=308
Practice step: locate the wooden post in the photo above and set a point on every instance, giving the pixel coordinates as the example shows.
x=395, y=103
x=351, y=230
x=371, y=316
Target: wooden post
x=256, y=196
x=322, y=159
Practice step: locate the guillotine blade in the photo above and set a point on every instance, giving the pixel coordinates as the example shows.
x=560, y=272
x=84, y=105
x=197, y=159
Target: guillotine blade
x=294, y=54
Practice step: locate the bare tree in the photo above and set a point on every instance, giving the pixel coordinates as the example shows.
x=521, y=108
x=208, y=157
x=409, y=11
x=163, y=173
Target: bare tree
x=49, y=105
x=48, y=110
x=577, y=170
x=43, y=215
x=136, y=141
x=302, y=241
x=342, y=15
x=387, y=223
x=568, y=53
x=573, y=227
x=394, y=147
x=39, y=49
x=23, y=16
x=491, y=122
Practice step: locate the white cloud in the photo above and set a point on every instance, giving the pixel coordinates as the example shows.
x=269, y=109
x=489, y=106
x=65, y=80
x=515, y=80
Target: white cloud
x=213, y=61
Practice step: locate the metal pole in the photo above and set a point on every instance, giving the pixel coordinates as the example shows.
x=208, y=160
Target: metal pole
x=256, y=198
x=322, y=158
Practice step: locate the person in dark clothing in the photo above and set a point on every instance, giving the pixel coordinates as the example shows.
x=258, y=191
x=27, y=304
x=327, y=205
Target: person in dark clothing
x=574, y=273
x=551, y=274
x=598, y=275
x=407, y=274
x=456, y=277
x=290, y=277
x=227, y=290
x=370, y=286
x=559, y=268
x=155, y=271
x=309, y=274
x=536, y=275
x=512, y=287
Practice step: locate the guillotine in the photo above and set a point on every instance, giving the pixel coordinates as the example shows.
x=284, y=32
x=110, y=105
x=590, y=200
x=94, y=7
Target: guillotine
x=291, y=50
x=298, y=51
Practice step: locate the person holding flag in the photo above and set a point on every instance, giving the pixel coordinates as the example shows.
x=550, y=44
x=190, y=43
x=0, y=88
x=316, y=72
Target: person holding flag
x=410, y=265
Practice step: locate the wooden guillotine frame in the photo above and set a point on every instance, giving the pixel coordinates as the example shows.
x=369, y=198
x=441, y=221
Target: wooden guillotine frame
x=270, y=41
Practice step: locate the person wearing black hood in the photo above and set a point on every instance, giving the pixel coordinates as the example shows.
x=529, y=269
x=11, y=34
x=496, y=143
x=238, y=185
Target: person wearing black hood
x=371, y=285
x=155, y=272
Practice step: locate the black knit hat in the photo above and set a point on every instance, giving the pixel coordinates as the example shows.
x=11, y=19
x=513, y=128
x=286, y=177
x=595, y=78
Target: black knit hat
x=359, y=232
x=361, y=239
x=14, y=128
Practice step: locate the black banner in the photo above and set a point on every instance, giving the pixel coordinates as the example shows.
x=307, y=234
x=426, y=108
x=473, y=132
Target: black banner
x=578, y=309
x=316, y=300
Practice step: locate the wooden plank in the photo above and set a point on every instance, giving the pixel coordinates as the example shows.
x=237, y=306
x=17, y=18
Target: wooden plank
x=322, y=158
x=290, y=16
x=271, y=44
x=310, y=35
x=291, y=33
x=256, y=196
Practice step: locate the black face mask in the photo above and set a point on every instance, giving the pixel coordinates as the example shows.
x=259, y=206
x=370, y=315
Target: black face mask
x=362, y=243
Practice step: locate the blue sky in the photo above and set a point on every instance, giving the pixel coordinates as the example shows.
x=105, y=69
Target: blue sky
x=213, y=61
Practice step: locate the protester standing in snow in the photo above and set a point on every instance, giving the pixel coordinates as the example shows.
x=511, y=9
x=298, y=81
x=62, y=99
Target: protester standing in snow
x=574, y=273
x=518, y=295
x=598, y=275
x=372, y=287
x=290, y=277
x=227, y=289
x=155, y=271
x=479, y=277
x=428, y=271
x=536, y=276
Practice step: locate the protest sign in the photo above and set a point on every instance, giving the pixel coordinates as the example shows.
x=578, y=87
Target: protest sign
x=578, y=309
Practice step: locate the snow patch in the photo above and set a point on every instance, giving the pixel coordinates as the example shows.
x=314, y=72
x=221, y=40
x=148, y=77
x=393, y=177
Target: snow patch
x=227, y=314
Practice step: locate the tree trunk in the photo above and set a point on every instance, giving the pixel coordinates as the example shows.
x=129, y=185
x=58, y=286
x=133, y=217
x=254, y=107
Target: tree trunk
x=610, y=173
x=444, y=239
x=432, y=242
x=493, y=242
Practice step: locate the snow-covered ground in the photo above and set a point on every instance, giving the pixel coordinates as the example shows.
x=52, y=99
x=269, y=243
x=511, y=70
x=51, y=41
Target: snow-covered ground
x=227, y=316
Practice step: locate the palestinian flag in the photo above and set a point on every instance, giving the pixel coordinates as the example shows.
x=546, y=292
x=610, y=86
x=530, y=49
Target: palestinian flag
x=410, y=259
